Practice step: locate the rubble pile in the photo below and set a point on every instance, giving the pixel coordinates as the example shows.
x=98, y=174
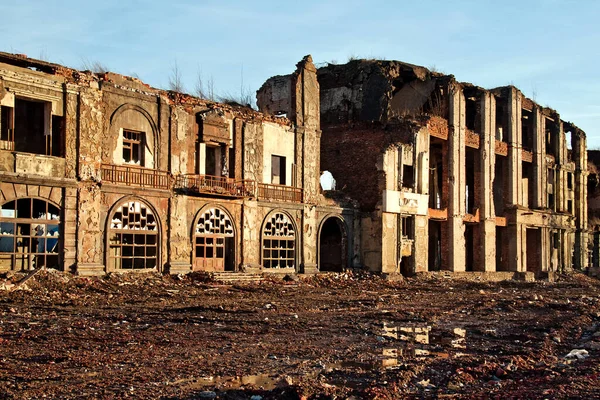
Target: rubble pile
x=347, y=335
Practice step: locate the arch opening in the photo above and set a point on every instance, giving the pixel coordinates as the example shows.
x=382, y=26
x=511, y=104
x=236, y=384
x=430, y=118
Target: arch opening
x=30, y=234
x=214, y=241
x=133, y=237
x=333, y=246
x=279, y=242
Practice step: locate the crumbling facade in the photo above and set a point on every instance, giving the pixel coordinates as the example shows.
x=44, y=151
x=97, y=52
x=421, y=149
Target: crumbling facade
x=451, y=176
x=102, y=173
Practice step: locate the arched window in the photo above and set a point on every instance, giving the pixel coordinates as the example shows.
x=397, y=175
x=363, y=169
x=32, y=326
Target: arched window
x=133, y=237
x=29, y=234
x=279, y=242
x=213, y=241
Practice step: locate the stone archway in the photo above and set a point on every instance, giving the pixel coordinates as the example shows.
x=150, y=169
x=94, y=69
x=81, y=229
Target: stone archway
x=333, y=245
x=214, y=245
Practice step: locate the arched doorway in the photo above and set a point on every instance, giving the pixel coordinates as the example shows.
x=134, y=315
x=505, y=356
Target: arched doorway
x=133, y=237
x=29, y=234
x=279, y=242
x=333, y=245
x=214, y=245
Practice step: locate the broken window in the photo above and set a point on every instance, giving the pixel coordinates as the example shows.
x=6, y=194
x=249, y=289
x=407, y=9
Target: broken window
x=133, y=147
x=279, y=242
x=526, y=182
x=470, y=181
x=29, y=234
x=527, y=129
x=210, y=166
x=133, y=237
x=408, y=177
x=213, y=241
x=278, y=170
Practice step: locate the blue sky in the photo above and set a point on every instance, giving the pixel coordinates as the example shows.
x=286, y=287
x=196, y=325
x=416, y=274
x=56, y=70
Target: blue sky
x=549, y=49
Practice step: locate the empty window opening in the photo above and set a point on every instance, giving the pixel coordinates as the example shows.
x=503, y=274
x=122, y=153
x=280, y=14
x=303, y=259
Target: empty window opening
x=551, y=133
x=133, y=147
x=214, y=242
x=133, y=237
x=470, y=190
x=436, y=173
x=408, y=228
x=232, y=162
x=332, y=246
x=569, y=180
x=33, y=127
x=278, y=170
x=279, y=242
x=435, y=245
x=408, y=177
x=7, y=128
x=527, y=129
x=501, y=249
x=533, y=246
x=471, y=113
x=29, y=235
x=501, y=116
x=550, y=188
x=527, y=184
x=499, y=185
x=570, y=206
x=211, y=160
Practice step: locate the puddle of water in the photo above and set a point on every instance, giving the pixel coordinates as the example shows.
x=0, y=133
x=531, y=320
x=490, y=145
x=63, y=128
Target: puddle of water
x=262, y=381
x=421, y=337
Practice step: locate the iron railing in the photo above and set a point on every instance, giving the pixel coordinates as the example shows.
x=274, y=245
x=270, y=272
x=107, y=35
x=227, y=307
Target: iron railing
x=279, y=192
x=136, y=176
x=218, y=185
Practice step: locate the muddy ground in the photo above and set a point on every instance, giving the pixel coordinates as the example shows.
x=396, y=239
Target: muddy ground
x=329, y=336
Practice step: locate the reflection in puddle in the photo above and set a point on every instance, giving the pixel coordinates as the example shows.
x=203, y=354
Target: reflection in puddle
x=421, y=341
x=263, y=381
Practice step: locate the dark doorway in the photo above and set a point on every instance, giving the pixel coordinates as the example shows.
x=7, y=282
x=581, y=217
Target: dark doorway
x=435, y=246
x=332, y=247
x=533, y=250
x=470, y=246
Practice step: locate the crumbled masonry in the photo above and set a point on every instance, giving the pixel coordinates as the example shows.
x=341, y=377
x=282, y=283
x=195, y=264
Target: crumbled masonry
x=102, y=173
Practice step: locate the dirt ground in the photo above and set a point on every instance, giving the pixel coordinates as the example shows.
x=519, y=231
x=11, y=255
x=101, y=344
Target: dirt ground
x=339, y=336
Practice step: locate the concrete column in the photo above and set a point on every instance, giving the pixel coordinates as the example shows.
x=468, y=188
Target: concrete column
x=580, y=200
x=389, y=243
x=515, y=156
x=456, y=180
x=179, y=242
x=421, y=243
x=539, y=160
x=516, y=247
x=487, y=152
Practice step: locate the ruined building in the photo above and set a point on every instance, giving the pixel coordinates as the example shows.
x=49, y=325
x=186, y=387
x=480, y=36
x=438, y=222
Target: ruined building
x=451, y=176
x=102, y=173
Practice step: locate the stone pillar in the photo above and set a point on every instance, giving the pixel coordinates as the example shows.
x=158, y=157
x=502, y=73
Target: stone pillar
x=580, y=200
x=309, y=240
x=487, y=152
x=515, y=156
x=251, y=235
x=179, y=241
x=421, y=243
x=308, y=140
x=456, y=180
x=389, y=243
x=539, y=160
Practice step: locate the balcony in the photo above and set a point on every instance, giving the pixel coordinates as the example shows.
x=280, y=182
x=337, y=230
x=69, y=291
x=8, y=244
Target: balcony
x=215, y=185
x=279, y=192
x=136, y=176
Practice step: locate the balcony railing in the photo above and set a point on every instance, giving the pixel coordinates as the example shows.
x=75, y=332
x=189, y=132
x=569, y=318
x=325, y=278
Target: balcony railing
x=217, y=185
x=136, y=176
x=279, y=192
